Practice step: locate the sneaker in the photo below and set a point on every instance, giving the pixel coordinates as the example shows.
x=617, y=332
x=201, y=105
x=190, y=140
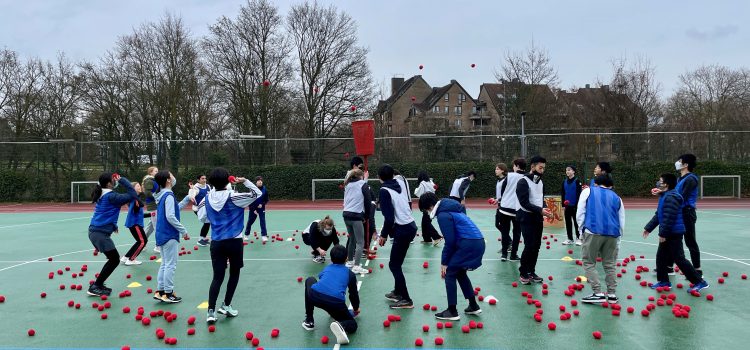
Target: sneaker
x=265, y=239
x=157, y=249
x=595, y=298
x=308, y=325
x=104, y=286
x=579, y=242
x=245, y=238
x=436, y=242
x=448, y=315
x=612, y=298
x=123, y=259
x=96, y=291
x=567, y=242
x=536, y=279
x=403, y=304
x=338, y=331
x=319, y=259
x=473, y=310
x=514, y=257
x=698, y=287
x=392, y=296
x=525, y=279
x=170, y=298
x=427, y=242
x=158, y=295
x=132, y=262
x=203, y=242
x=661, y=284
x=349, y=264
x=504, y=257
x=699, y=272
x=211, y=316
x=359, y=270
x=227, y=310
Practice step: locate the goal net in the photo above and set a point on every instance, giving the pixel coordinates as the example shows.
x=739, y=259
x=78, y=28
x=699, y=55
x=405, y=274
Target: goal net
x=80, y=191
x=333, y=189
x=721, y=186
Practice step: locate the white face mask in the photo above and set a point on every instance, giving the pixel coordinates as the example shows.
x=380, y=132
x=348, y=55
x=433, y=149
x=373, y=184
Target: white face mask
x=174, y=181
x=327, y=231
x=678, y=165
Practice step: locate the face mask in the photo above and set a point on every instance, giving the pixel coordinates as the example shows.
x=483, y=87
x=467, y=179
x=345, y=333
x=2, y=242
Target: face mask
x=537, y=176
x=327, y=231
x=678, y=165
x=658, y=184
x=173, y=180
x=117, y=184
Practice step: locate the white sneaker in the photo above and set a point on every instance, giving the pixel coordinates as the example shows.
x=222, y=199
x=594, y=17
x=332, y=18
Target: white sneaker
x=338, y=331
x=244, y=238
x=359, y=270
x=123, y=259
x=567, y=242
x=132, y=262
x=579, y=242
x=265, y=239
x=349, y=264
x=157, y=249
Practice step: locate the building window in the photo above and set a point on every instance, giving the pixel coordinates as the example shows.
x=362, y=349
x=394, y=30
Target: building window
x=458, y=110
x=436, y=109
x=445, y=109
x=474, y=110
x=445, y=98
x=458, y=123
x=461, y=98
x=390, y=128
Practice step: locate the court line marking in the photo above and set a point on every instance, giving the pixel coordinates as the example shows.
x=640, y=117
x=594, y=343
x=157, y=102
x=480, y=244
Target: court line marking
x=43, y=222
x=54, y=256
x=725, y=214
x=702, y=252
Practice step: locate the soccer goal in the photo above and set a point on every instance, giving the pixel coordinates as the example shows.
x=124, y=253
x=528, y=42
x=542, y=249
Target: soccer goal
x=721, y=186
x=80, y=191
x=333, y=189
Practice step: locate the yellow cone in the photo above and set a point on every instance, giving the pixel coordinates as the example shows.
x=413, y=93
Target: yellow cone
x=567, y=258
x=583, y=278
x=134, y=285
x=203, y=305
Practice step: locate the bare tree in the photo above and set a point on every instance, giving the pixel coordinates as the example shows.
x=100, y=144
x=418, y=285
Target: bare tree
x=24, y=91
x=636, y=78
x=334, y=77
x=248, y=60
x=531, y=66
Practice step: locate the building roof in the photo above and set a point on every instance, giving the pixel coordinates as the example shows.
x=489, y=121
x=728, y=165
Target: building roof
x=384, y=105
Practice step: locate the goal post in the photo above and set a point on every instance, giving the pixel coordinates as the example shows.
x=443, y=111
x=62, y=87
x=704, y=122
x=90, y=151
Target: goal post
x=721, y=186
x=81, y=189
x=331, y=189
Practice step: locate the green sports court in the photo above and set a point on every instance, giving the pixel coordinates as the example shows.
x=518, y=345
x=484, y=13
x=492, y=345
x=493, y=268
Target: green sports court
x=269, y=295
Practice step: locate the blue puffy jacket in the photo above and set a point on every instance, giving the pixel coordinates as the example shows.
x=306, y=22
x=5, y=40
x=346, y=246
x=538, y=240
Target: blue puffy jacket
x=668, y=215
x=464, y=243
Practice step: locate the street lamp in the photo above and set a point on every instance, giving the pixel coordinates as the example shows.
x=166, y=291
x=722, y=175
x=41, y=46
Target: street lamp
x=523, y=135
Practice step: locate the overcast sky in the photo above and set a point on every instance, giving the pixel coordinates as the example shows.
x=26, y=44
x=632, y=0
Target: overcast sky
x=445, y=36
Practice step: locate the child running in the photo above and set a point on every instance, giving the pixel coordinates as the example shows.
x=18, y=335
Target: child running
x=168, y=231
x=571, y=190
x=329, y=294
x=320, y=235
x=398, y=224
x=258, y=209
x=429, y=233
x=463, y=251
x=134, y=223
x=104, y=222
x=356, y=210
x=225, y=210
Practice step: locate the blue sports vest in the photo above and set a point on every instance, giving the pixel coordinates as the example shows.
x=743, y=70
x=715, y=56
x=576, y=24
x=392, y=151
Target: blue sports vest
x=226, y=223
x=571, y=192
x=692, y=196
x=679, y=224
x=602, y=212
x=164, y=230
x=105, y=212
x=134, y=218
x=202, y=192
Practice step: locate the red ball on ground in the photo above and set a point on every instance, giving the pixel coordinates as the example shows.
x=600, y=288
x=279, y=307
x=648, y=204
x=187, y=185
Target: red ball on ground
x=514, y=284
x=551, y=326
x=493, y=301
x=126, y=310
x=721, y=280
x=417, y=342
x=274, y=333
x=439, y=341
x=212, y=328
x=104, y=316
x=324, y=339
x=449, y=325
x=191, y=331
x=576, y=312
x=386, y=323
x=725, y=274
x=255, y=341
x=433, y=308
x=125, y=347
x=465, y=329
x=439, y=325
x=710, y=297
x=597, y=335
x=146, y=321
x=299, y=279
x=425, y=328
x=645, y=313
x=31, y=332
x=744, y=276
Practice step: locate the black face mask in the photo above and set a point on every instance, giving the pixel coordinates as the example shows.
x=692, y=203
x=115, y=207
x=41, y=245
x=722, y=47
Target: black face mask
x=537, y=176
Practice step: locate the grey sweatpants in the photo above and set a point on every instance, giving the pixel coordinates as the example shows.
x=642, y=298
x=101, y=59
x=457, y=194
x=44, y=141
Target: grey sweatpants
x=356, y=242
x=605, y=247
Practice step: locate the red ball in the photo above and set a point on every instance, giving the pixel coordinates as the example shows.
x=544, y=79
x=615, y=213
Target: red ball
x=574, y=302
x=514, y=284
x=744, y=276
x=721, y=280
x=249, y=336
x=381, y=266
x=710, y=297
x=493, y=301
x=191, y=320
x=480, y=325
x=255, y=341
x=324, y=339
x=433, y=308
x=645, y=313
x=465, y=329
x=418, y=342
x=630, y=309
x=549, y=278
x=386, y=323
x=212, y=328
x=439, y=341
x=299, y=279
x=449, y=325
x=538, y=317
x=125, y=347
x=570, y=251
x=562, y=307
x=274, y=333
x=43, y=295
x=725, y=274
x=104, y=316
x=597, y=335
x=439, y=325
x=126, y=310
x=551, y=326
x=426, y=307
x=576, y=312
x=32, y=332
x=425, y=328
x=148, y=278
x=191, y=331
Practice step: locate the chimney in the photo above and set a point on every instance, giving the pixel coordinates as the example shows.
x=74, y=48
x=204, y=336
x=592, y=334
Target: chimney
x=588, y=86
x=396, y=84
x=453, y=81
x=605, y=88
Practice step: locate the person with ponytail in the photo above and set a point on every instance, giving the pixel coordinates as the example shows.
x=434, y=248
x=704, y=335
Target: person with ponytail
x=150, y=188
x=134, y=223
x=320, y=235
x=104, y=222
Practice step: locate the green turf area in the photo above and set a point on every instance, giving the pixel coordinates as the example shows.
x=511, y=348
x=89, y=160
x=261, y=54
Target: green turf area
x=269, y=295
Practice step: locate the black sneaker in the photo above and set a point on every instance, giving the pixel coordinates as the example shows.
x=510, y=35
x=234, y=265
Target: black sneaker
x=504, y=257
x=448, y=315
x=392, y=296
x=536, y=279
x=526, y=279
x=612, y=298
x=109, y=290
x=595, y=298
x=403, y=304
x=96, y=291
x=308, y=324
x=203, y=242
x=514, y=257
x=170, y=298
x=473, y=310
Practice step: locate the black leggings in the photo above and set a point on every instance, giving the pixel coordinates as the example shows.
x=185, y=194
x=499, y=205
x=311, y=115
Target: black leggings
x=221, y=251
x=503, y=222
x=532, y=226
x=113, y=259
x=570, y=220
x=429, y=233
x=140, y=242
x=204, y=229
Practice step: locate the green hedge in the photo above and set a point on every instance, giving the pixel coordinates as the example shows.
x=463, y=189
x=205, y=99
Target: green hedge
x=294, y=182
